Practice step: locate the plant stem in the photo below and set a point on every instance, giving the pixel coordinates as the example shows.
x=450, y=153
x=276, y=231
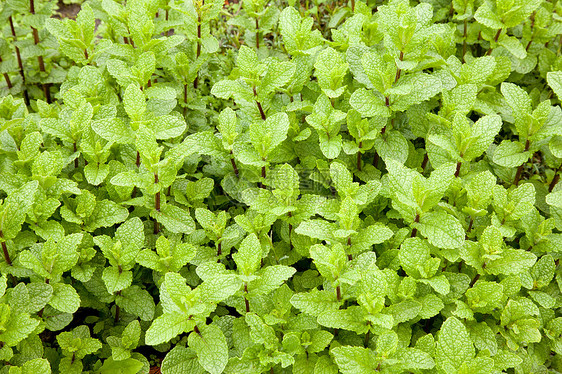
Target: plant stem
x=475, y=280
x=290, y=214
x=353, y=5
x=117, y=309
x=5, y=250
x=495, y=40
x=234, y=167
x=246, y=302
x=465, y=34
x=520, y=168
x=262, y=113
x=555, y=179
x=185, y=96
x=257, y=34
x=424, y=162
x=76, y=159
x=138, y=160
x=6, y=254
x=7, y=77
x=398, y=70
x=198, y=52
x=415, y=230
x=156, y=205
x=375, y=159
x=18, y=56
x=359, y=157
x=532, y=27
x=338, y=293
x=40, y=60
x=457, y=172
x=196, y=330
x=263, y=173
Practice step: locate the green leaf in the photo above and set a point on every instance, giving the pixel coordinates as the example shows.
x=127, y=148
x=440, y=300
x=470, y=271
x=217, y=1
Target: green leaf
x=166, y=327
x=484, y=131
x=115, y=279
x=168, y=126
x=266, y=136
x=512, y=261
x=16, y=207
x=211, y=348
x=414, y=359
x=181, y=360
x=106, y=214
x=454, y=346
x=355, y=360
x=315, y=302
x=138, y=302
x=415, y=258
x=517, y=98
x=114, y=130
x=487, y=17
x=134, y=102
x=510, y=154
x=65, y=298
x=442, y=230
x=249, y=255
x=247, y=60
x=175, y=219
x=96, y=173
x=127, y=366
x=219, y=288
x=277, y=75
x=352, y=318
x=554, y=79
x=36, y=366
x=368, y=103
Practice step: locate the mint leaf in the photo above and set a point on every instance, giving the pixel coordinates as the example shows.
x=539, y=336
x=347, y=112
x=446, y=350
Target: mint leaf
x=454, y=346
x=355, y=360
x=211, y=348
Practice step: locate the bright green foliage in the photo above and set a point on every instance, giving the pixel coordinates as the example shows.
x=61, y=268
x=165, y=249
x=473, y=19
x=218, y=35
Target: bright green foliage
x=251, y=187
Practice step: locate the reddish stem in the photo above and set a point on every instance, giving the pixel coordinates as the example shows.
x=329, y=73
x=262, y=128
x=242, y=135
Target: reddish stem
x=233, y=162
x=257, y=34
x=6, y=254
x=520, y=168
x=359, y=157
x=495, y=40
x=415, y=230
x=399, y=71
x=156, y=205
x=185, y=96
x=18, y=56
x=117, y=310
x=465, y=34
x=262, y=113
x=263, y=176
x=424, y=162
x=457, y=172
x=554, y=180
x=246, y=302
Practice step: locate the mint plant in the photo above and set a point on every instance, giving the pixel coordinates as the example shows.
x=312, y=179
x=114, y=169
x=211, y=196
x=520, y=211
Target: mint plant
x=259, y=187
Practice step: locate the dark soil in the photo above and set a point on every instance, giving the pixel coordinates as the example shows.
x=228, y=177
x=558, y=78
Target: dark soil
x=66, y=10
